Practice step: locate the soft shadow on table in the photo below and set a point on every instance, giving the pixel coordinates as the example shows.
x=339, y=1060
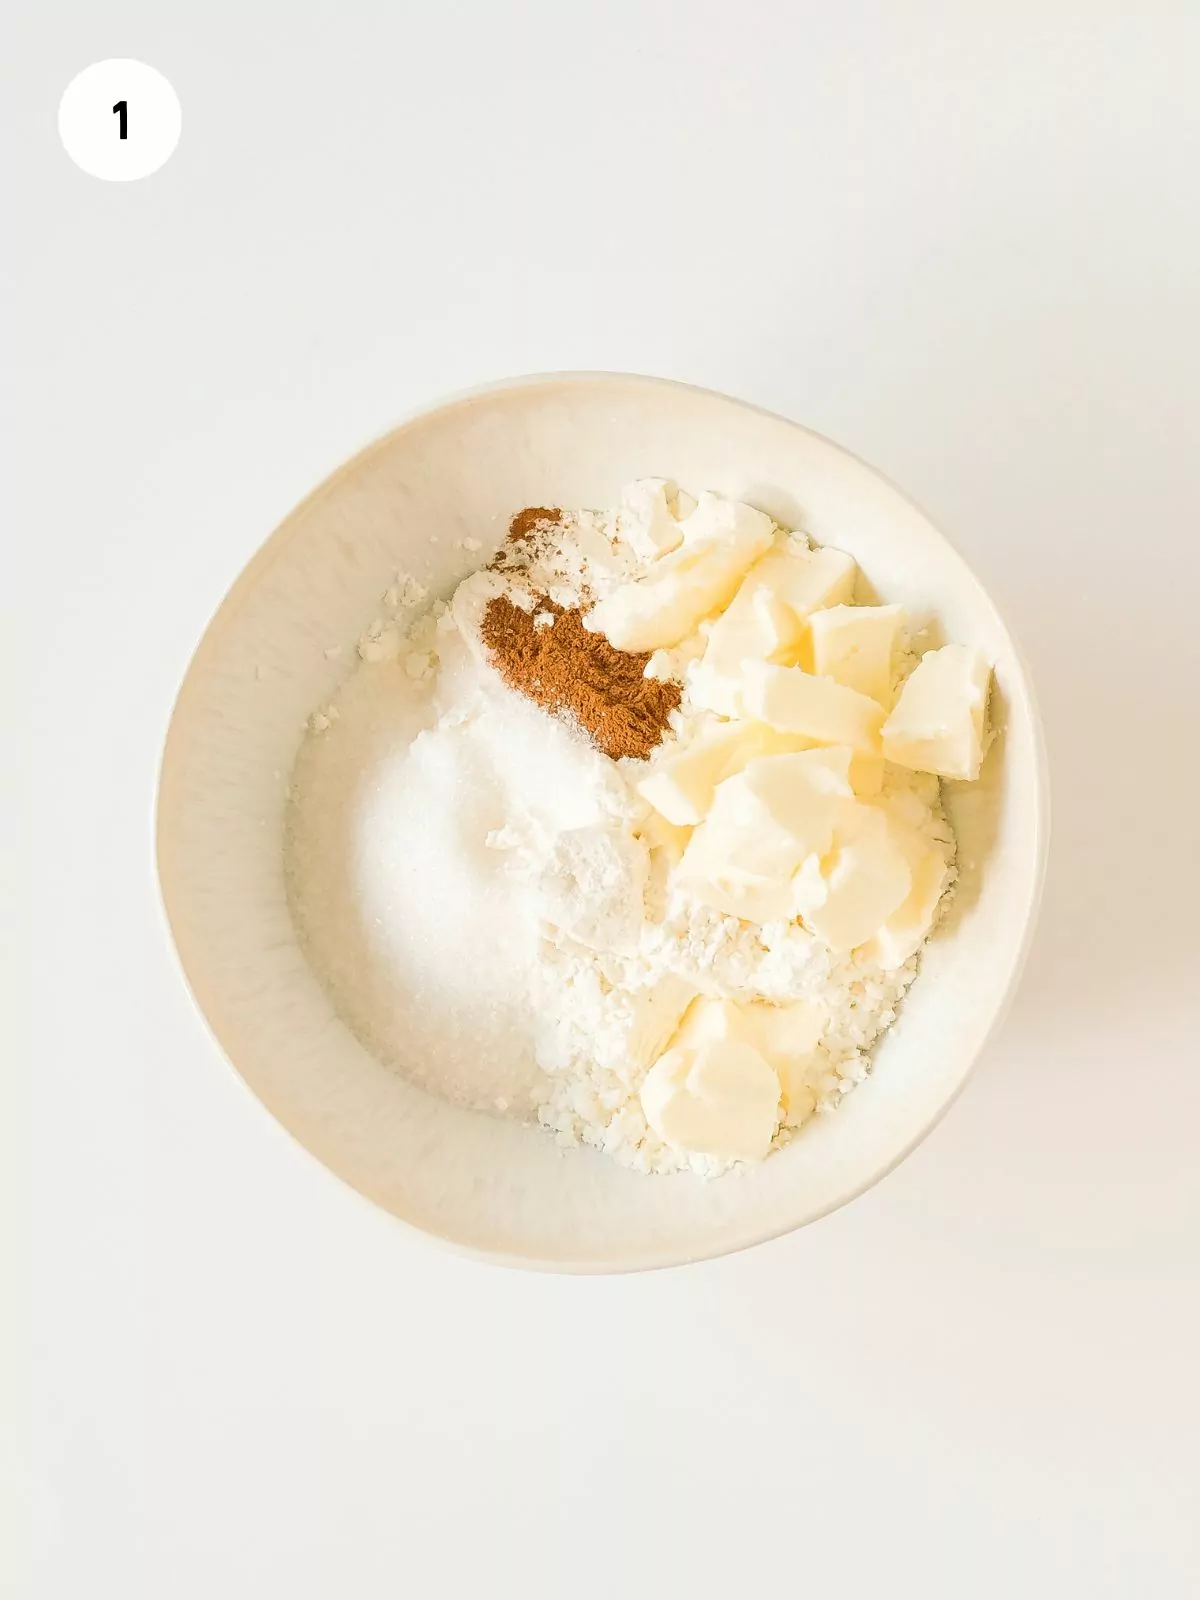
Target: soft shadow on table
x=1074, y=1147
x=1118, y=932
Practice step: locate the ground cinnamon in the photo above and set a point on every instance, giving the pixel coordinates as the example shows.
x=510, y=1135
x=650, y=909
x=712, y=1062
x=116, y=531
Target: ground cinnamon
x=531, y=519
x=523, y=530
x=579, y=674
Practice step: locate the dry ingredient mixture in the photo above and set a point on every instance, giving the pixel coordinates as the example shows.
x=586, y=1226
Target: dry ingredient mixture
x=639, y=833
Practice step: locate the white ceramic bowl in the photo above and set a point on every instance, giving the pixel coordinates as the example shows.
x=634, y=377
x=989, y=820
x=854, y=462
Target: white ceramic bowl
x=461, y=470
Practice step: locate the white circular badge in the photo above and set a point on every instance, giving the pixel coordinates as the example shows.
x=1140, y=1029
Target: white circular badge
x=119, y=120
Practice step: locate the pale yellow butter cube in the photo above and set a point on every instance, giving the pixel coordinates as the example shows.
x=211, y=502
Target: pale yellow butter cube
x=657, y=1013
x=854, y=646
x=707, y=1020
x=762, y=824
x=905, y=931
x=846, y=898
x=786, y=1036
x=683, y=777
x=759, y=628
x=814, y=578
x=795, y=701
x=765, y=620
x=753, y=899
x=778, y=1032
x=721, y=1100
x=798, y=1098
x=788, y=1032
x=741, y=843
x=938, y=724
x=662, y=608
x=866, y=775
x=781, y=777
x=662, y=835
x=767, y=818
x=714, y=517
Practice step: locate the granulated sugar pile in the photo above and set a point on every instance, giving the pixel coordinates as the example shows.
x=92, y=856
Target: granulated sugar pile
x=399, y=880
x=498, y=913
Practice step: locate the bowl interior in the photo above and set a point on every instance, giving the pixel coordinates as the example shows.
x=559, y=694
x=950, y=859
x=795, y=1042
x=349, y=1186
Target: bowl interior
x=458, y=472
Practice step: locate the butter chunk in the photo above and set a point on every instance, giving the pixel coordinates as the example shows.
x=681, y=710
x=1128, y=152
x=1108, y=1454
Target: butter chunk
x=706, y=1021
x=755, y=626
x=683, y=777
x=657, y=1013
x=815, y=578
x=788, y=1032
x=795, y=701
x=721, y=1100
x=786, y=1036
x=939, y=720
x=866, y=775
x=777, y=1032
x=765, y=620
x=854, y=646
x=753, y=899
x=662, y=608
x=847, y=897
x=715, y=517
x=659, y=834
x=905, y=931
x=764, y=821
x=645, y=521
x=798, y=1098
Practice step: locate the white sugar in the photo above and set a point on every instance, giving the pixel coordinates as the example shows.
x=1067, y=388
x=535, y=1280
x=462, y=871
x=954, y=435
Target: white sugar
x=421, y=929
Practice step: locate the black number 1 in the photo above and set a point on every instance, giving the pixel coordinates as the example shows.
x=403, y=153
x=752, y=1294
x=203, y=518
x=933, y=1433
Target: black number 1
x=122, y=110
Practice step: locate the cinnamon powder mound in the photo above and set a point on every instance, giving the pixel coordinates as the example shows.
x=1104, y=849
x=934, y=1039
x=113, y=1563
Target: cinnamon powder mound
x=531, y=519
x=524, y=527
x=579, y=674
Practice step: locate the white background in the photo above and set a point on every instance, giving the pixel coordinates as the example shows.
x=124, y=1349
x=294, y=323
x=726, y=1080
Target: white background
x=962, y=239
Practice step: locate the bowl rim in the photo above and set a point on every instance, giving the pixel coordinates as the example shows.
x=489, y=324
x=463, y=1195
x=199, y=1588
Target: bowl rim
x=629, y=1262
